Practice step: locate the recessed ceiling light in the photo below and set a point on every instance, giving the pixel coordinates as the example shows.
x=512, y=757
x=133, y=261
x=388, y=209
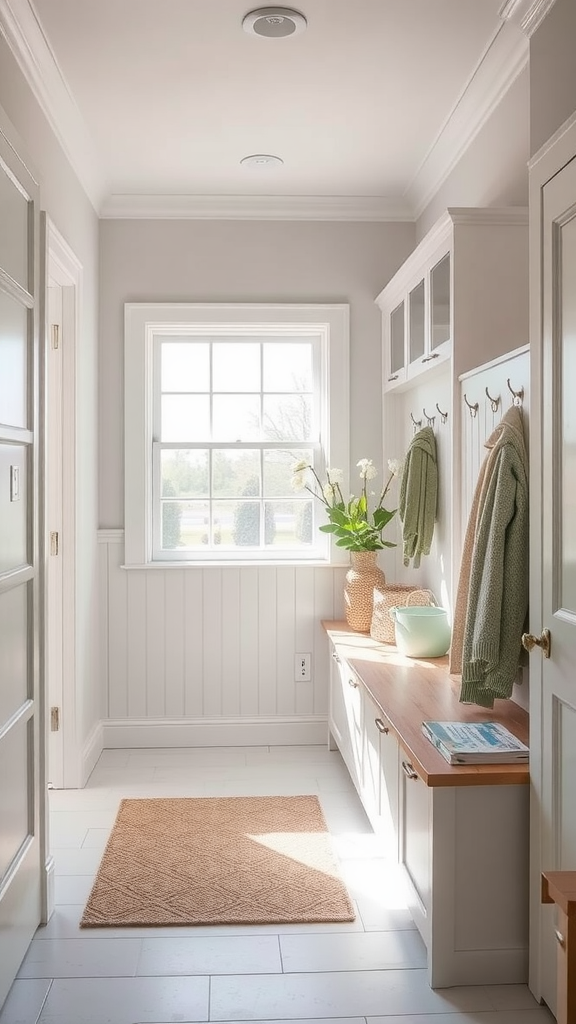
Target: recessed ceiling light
x=274, y=22
x=262, y=160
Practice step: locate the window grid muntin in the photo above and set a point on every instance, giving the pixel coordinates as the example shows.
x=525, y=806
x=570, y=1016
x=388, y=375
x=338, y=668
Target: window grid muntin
x=315, y=444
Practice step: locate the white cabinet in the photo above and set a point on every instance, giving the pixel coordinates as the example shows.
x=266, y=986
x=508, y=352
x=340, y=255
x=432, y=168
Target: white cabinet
x=461, y=835
x=416, y=312
x=457, y=295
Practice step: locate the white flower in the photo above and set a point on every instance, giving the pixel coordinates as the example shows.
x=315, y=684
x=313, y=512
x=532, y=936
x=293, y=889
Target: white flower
x=299, y=480
x=299, y=467
x=367, y=469
x=328, y=492
x=335, y=476
x=395, y=466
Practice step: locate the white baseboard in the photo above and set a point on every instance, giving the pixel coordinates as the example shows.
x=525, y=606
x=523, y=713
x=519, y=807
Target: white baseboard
x=91, y=752
x=49, y=890
x=213, y=732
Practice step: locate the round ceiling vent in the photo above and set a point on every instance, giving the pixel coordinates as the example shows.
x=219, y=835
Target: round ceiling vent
x=274, y=22
x=262, y=160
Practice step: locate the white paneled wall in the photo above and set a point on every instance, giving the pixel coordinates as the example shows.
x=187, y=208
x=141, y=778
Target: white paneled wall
x=476, y=429
x=403, y=408
x=206, y=655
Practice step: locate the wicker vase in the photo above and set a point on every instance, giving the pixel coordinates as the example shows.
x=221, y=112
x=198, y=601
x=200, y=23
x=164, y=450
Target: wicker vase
x=361, y=578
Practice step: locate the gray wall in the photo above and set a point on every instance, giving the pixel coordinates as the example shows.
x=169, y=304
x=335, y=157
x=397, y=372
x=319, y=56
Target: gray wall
x=244, y=261
x=493, y=171
x=552, y=72
x=66, y=204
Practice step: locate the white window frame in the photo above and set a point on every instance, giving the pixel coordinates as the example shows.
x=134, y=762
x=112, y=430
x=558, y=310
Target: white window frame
x=142, y=321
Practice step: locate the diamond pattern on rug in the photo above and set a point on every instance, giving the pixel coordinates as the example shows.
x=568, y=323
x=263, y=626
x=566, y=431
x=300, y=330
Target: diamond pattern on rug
x=218, y=860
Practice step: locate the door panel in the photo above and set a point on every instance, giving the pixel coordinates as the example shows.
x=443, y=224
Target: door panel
x=13, y=361
x=13, y=512
x=558, y=547
x=13, y=652
x=22, y=851
x=13, y=799
x=14, y=234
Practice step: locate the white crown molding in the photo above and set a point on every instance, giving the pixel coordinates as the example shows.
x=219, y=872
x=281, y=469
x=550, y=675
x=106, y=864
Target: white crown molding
x=527, y=14
x=21, y=28
x=503, y=60
x=212, y=207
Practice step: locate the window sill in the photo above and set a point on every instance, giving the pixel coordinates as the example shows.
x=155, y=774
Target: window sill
x=252, y=564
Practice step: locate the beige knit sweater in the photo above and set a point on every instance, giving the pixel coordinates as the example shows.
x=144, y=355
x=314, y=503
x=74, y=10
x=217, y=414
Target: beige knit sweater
x=492, y=596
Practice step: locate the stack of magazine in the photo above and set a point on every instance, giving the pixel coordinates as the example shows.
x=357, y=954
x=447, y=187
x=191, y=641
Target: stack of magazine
x=475, y=742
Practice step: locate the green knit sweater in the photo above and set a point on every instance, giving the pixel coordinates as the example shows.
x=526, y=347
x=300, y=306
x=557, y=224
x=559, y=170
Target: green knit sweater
x=498, y=591
x=418, y=496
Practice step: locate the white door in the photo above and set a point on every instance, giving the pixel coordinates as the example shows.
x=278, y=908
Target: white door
x=22, y=848
x=553, y=679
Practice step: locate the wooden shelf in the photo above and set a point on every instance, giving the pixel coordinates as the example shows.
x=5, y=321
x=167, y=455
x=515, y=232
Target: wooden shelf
x=411, y=691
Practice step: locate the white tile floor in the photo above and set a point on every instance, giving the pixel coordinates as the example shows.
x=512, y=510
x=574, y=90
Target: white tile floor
x=370, y=971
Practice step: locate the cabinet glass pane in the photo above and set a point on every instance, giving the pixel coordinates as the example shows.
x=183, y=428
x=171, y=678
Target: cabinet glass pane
x=397, y=338
x=440, y=302
x=416, y=346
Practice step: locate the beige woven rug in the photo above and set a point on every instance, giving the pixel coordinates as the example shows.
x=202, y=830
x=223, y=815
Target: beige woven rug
x=227, y=860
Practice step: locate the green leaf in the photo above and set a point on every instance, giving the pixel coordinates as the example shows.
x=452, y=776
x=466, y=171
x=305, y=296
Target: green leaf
x=382, y=517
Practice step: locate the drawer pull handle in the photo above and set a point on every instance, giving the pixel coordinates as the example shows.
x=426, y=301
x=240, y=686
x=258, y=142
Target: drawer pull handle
x=381, y=727
x=394, y=376
x=560, y=938
x=352, y=682
x=408, y=770
x=428, y=359
x=336, y=657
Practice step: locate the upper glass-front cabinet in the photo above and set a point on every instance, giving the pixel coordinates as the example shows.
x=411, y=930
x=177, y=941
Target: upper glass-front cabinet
x=416, y=320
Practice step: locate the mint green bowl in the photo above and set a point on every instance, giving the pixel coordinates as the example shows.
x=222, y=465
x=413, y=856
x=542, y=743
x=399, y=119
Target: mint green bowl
x=421, y=632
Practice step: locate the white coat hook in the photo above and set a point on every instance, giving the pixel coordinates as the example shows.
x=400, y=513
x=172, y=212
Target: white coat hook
x=473, y=407
x=517, y=396
x=494, y=402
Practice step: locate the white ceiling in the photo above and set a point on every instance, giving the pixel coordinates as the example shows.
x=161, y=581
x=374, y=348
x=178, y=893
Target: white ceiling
x=157, y=101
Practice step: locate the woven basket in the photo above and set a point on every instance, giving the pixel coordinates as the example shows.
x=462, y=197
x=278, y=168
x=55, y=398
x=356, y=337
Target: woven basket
x=394, y=594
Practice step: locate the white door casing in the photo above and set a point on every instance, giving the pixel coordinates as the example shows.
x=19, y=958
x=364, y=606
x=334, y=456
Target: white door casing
x=54, y=538
x=553, y=536
x=64, y=286
x=22, y=712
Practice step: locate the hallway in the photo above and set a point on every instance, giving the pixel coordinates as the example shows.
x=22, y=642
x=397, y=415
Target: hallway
x=369, y=971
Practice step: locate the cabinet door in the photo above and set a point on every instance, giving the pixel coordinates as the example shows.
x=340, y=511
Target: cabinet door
x=416, y=842
x=440, y=303
x=346, y=716
x=380, y=775
x=417, y=323
x=394, y=340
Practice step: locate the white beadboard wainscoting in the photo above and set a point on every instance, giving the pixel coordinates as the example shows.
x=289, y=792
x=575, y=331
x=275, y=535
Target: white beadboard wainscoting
x=205, y=656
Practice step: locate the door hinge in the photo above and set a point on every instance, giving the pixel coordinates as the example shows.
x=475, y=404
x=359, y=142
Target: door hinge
x=54, y=719
x=54, y=542
x=55, y=335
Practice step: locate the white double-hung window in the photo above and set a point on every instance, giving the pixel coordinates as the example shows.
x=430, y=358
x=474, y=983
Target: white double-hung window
x=220, y=402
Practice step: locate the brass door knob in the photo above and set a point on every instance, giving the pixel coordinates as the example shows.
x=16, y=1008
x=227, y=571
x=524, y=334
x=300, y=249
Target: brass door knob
x=529, y=641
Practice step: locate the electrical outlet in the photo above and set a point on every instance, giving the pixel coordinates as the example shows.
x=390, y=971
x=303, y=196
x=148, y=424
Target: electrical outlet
x=302, y=666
